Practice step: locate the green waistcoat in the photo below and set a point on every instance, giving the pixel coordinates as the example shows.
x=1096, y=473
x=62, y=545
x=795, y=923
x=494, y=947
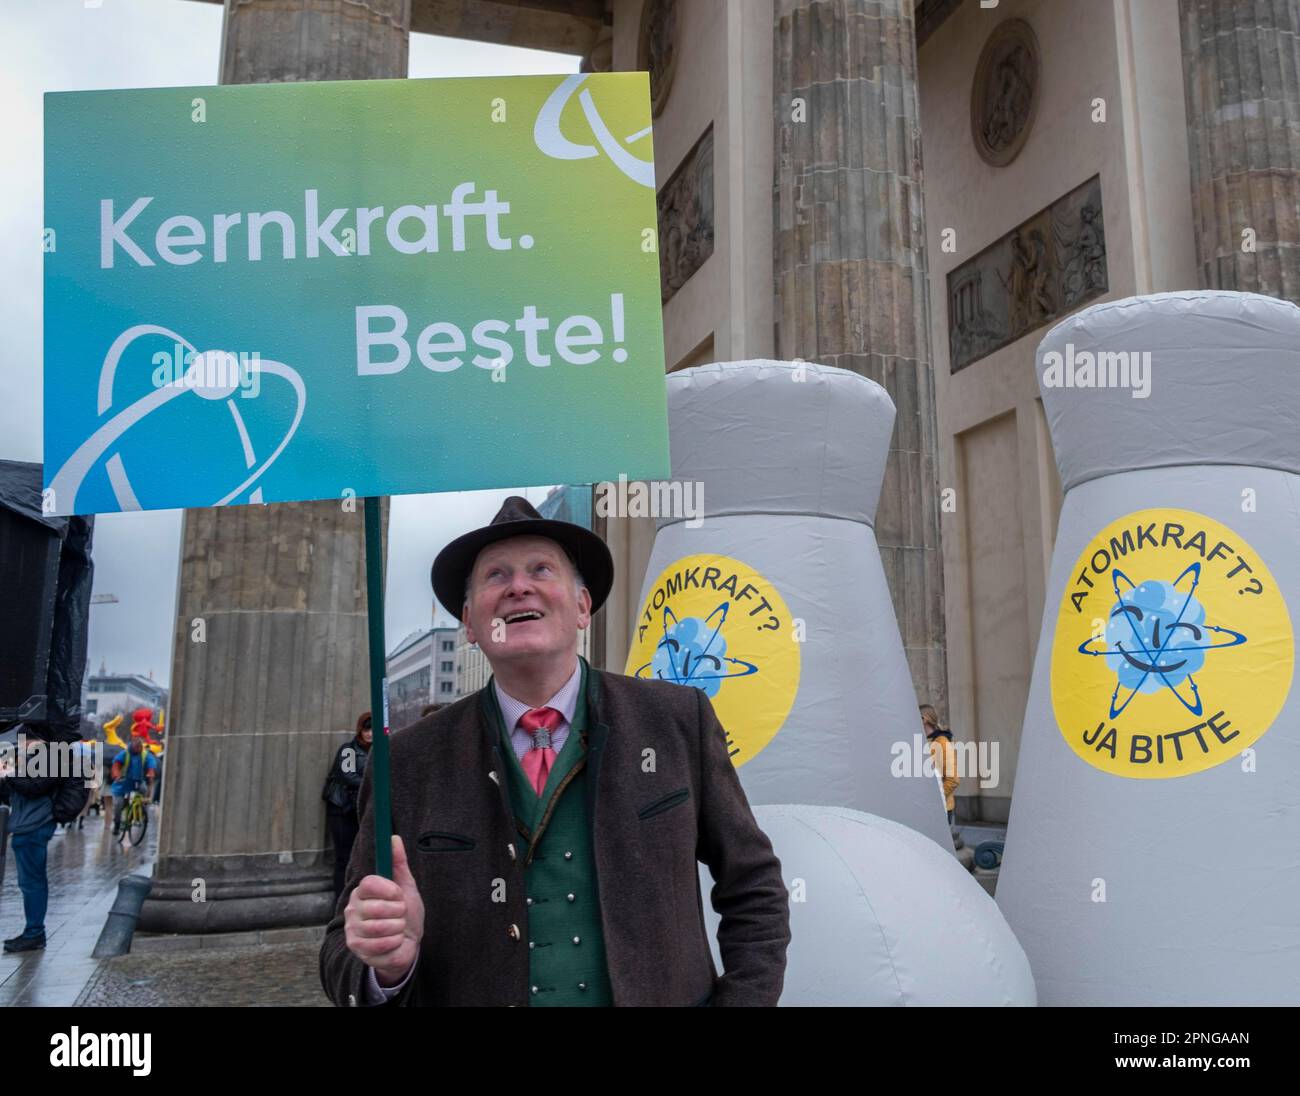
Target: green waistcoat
x=566, y=948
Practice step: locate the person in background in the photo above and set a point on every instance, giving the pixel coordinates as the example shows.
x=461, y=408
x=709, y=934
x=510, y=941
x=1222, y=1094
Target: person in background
x=31, y=825
x=132, y=767
x=104, y=801
x=157, y=784
x=944, y=755
x=89, y=757
x=340, y=795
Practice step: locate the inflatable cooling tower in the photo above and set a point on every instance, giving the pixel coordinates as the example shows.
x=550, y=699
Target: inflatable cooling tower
x=1151, y=853
x=880, y=915
x=776, y=604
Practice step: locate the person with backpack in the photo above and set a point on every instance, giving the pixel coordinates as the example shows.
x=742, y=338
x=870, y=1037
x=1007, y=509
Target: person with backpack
x=132, y=767
x=88, y=757
x=32, y=801
x=340, y=795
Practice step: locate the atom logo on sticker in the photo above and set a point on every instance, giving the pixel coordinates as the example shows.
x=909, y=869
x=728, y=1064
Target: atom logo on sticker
x=715, y=624
x=694, y=652
x=1144, y=658
x=1168, y=676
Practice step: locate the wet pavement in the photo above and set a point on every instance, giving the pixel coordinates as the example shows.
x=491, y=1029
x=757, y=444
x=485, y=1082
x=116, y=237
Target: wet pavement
x=84, y=867
x=278, y=967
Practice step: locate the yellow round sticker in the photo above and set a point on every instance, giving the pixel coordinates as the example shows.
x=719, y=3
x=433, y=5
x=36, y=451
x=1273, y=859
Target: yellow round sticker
x=718, y=625
x=1173, y=650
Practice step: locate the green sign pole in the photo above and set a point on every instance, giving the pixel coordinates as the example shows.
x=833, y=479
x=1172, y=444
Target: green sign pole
x=378, y=692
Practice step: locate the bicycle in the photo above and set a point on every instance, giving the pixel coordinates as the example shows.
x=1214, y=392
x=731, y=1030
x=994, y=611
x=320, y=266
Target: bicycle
x=135, y=819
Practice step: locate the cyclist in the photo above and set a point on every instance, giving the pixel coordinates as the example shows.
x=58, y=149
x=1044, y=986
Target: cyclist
x=131, y=767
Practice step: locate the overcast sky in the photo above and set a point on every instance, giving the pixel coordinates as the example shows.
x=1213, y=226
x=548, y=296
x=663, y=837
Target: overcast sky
x=74, y=45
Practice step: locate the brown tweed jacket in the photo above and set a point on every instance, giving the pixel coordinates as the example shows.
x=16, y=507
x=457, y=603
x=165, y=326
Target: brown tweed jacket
x=653, y=816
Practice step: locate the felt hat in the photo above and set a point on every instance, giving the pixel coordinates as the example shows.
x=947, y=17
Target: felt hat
x=518, y=518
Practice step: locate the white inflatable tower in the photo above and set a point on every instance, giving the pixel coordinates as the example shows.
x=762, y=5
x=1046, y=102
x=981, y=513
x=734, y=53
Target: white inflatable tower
x=1151, y=854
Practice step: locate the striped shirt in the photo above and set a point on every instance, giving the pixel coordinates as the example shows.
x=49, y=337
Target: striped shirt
x=565, y=702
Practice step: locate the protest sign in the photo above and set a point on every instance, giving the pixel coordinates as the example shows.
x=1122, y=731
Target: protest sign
x=392, y=286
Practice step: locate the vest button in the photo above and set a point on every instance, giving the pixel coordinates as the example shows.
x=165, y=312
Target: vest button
x=531, y=945
x=577, y=939
x=511, y=850
x=528, y=901
x=513, y=932
x=536, y=990
x=571, y=897
x=582, y=985
x=568, y=856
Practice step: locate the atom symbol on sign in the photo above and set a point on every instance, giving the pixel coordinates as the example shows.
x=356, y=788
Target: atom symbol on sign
x=1157, y=638
x=685, y=656
x=551, y=140
x=207, y=380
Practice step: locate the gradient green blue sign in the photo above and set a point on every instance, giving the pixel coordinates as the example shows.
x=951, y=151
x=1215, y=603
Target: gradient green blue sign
x=283, y=292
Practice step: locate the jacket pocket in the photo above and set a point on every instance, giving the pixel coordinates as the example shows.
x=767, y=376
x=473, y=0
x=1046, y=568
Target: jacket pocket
x=434, y=841
x=666, y=803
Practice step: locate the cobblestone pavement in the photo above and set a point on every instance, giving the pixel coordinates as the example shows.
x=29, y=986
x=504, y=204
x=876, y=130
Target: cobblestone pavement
x=84, y=867
x=277, y=974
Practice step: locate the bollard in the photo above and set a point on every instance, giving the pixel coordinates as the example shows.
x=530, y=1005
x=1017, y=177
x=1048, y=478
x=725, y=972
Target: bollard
x=132, y=890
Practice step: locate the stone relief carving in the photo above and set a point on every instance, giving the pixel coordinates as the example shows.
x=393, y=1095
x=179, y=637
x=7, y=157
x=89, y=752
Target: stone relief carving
x=600, y=58
x=686, y=217
x=1037, y=272
x=1004, y=96
x=656, y=51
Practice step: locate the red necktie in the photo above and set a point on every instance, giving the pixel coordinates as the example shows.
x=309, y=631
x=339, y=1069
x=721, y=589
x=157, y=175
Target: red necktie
x=541, y=723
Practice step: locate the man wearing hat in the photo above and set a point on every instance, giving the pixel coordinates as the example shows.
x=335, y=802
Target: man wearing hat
x=548, y=828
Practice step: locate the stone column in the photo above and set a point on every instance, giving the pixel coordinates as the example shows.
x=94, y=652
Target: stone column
x=1241, y=72
x=850, y=266
x=270, y=663
x=277, y=41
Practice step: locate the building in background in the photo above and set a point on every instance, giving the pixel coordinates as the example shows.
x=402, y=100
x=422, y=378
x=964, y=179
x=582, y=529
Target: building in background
x=1051, y=186
x=474, y=668
x=443, y=687
x=1071, y=153
x=410, y=674
x=108, y=695
x=421, y=670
